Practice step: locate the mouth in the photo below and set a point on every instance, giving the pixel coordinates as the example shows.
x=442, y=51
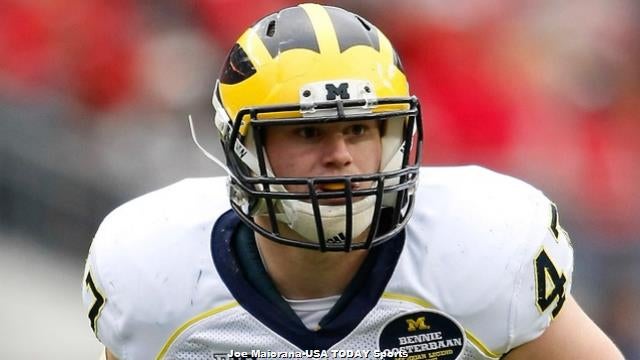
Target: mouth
x=340, y=187
x=332, y=187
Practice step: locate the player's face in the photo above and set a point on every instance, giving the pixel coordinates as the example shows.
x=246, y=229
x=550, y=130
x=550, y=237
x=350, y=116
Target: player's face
x=335, y=149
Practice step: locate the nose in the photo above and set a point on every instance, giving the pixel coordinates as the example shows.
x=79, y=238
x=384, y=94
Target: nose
x=337, y=153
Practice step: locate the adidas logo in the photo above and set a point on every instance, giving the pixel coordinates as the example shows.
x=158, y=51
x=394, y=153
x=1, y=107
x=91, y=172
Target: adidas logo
x=338, y=239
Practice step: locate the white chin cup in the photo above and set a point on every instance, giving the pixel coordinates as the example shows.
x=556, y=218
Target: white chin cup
x=299, y=217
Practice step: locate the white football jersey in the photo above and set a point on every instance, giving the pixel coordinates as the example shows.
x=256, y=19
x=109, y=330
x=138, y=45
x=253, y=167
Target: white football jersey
x=482, y=267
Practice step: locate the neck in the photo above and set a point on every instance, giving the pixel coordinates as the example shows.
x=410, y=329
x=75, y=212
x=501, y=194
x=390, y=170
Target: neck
x=306, y=274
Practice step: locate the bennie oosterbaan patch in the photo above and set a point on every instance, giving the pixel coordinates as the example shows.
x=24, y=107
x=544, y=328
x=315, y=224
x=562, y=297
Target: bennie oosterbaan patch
x=426, y=334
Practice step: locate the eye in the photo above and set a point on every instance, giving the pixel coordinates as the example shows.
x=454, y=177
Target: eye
x=307, y=132
x=358, y=129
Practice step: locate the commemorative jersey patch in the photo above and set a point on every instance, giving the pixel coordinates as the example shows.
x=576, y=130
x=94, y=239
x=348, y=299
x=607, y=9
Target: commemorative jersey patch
x=426, y=334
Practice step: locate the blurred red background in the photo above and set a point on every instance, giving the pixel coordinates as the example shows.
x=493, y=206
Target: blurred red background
x=93, y=93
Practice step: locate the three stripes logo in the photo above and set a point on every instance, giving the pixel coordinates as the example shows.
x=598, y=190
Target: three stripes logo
x=338, y=239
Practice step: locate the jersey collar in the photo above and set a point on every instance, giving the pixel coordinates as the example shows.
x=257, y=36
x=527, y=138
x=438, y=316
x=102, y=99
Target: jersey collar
x=236, y=258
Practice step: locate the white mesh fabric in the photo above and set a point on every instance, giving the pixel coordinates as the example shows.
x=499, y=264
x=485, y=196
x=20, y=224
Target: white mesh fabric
x=234, y=329
x=237, y=330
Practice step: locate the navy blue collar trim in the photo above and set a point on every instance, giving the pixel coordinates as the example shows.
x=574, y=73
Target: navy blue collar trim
x=366, y=289
x=248, y=258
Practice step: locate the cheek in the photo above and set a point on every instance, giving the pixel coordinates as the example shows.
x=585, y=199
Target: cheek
x=287, y=162
x=276, y=161
x=368, y=156
x=275, y=155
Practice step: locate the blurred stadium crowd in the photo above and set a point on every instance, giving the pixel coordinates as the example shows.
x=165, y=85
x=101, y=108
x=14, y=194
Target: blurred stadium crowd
x=94, y=97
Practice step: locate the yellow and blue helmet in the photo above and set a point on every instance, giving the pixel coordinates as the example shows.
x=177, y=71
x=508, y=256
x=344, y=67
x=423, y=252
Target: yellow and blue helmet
x=313, y=64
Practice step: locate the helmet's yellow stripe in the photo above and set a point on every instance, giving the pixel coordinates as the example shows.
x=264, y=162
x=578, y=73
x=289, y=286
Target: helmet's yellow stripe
x=255, y=48
x=320, y=20
x=386, y=50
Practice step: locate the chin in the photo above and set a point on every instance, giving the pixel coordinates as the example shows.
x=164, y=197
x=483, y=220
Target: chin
x=333, y=202
x=339, y=201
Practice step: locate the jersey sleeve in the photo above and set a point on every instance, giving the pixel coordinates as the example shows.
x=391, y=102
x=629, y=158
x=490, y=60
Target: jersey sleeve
x=544, y=279
x=97, y=299
x=149, y=268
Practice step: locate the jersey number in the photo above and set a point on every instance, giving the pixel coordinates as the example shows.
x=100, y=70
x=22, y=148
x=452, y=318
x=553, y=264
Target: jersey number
x=550, y=284
x=555, y=227
x=97, y=305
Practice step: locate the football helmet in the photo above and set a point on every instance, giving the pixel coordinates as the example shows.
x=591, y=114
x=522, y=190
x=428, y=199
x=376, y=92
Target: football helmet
x=313, y=64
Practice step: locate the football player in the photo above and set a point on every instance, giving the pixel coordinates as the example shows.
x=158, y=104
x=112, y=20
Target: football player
x=332, y=248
